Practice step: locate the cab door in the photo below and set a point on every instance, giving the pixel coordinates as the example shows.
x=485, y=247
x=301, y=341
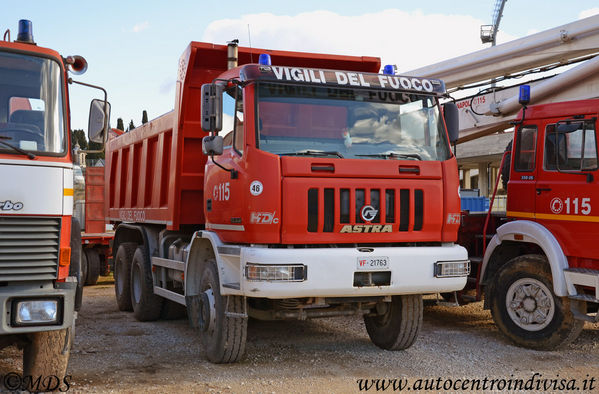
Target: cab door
x=567, y=188
x=521, y=187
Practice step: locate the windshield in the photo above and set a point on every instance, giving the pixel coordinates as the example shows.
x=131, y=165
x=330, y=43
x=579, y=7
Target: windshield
x=349, y=123
x=31, y=109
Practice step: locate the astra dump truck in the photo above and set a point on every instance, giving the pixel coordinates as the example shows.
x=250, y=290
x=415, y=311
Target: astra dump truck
x=40, y=243
x=318, y=192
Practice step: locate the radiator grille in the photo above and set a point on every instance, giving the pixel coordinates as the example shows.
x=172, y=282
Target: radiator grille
x=402, y=208
x=29, y=248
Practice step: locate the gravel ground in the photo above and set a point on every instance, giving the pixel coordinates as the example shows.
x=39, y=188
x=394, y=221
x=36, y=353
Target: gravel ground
x=115, y=353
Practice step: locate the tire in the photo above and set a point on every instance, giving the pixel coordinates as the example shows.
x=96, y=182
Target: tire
x=223, y=336
x=397, y=328
x=93, y=266
x=146, y=305
x=122, y=275
x=47, y=353
x=172, y=310
x=523, y=289
x=75, y=265
x=84, y=268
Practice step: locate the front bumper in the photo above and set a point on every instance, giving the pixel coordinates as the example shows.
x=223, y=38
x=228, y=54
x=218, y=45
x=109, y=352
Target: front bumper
x=64, y=292
x=331, y=271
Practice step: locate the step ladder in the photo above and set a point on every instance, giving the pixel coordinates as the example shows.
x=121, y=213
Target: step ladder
x=583, y=277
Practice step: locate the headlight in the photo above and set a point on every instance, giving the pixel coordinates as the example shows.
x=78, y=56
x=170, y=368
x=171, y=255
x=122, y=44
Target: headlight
x=36, y=312
x=450, y=269
x=279, y=273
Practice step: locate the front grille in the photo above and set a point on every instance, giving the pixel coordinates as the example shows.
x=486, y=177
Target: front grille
x=403, y=208
x=29, y=248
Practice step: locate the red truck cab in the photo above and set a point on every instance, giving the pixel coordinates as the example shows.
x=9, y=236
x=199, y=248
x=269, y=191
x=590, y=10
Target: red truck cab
x=540, y=270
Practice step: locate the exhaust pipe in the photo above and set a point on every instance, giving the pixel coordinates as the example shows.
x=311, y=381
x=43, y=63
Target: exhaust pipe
x=232, y=53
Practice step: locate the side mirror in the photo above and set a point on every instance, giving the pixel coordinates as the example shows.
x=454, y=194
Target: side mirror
x=212, y=107
x=212, y=145
x=452, y=121
x=99, y=113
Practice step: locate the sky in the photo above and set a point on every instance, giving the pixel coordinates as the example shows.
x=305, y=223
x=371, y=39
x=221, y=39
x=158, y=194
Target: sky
x=133, y=47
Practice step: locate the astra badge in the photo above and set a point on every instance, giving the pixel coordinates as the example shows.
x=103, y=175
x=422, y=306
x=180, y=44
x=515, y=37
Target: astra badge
x=366, y=228
x=368, y=213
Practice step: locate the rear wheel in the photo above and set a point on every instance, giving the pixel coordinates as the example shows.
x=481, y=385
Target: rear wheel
x=92, y=261
x=122, y=275
x=397, y=326
x=146, y=305
x=222, y=323
x=47, y=353
x=527, y=311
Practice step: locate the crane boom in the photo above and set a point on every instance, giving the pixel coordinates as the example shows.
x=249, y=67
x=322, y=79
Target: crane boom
x=483, y=114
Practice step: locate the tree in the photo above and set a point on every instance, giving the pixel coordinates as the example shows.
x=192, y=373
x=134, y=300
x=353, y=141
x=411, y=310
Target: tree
x=131, y=126
x=78, y=137
x=119, y=124
x=144, y=117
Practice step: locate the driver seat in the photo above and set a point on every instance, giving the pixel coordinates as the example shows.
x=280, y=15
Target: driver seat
x=30, y=117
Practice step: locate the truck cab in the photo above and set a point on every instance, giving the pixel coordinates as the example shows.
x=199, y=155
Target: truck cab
x=540, y=269
x=40, y=243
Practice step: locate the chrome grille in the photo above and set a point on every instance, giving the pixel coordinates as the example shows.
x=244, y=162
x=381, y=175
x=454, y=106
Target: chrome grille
x=29, y=248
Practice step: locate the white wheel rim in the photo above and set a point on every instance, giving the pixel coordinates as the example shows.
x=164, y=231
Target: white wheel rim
x=530, y=304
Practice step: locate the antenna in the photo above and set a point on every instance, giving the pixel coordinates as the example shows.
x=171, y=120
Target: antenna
x=250, y=40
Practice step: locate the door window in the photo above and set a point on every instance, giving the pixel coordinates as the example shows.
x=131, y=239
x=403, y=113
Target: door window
x=526, y=148
x=570, y=146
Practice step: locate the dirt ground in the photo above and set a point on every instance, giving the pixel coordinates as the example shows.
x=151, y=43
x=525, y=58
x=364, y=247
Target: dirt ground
x=461, y=345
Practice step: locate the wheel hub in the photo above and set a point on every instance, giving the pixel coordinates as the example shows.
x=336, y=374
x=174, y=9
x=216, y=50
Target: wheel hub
x=207, y=311
x=530, y=304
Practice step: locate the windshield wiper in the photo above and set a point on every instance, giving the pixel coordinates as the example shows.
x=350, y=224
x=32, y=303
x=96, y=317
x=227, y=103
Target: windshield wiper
x=309, y=152
x=393, y=155
x=30, y=155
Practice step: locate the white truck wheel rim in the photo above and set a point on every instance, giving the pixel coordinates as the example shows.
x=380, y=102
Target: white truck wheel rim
x=530, y=304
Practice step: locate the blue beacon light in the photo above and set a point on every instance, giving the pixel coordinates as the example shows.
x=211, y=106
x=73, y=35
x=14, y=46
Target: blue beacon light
x=25, y=31
x=389, y=69
x=264, y=59
x=524, y=95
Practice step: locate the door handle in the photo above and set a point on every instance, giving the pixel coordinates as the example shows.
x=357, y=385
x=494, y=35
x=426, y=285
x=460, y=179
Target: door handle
x=542, y=189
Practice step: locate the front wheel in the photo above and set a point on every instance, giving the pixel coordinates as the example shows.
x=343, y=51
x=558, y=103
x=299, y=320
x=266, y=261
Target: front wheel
x=527, y=311
x=397, y=326
x=222, y=320
x=47, y=353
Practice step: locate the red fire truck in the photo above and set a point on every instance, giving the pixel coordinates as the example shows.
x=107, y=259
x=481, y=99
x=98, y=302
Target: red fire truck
x=539, y=271
x=537, y=264
x=89, y=211
x=40, y=244
x=326, y=193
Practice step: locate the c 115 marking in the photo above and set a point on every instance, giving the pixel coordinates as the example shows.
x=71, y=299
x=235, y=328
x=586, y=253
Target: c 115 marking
x=572, y=206
x=221, y=192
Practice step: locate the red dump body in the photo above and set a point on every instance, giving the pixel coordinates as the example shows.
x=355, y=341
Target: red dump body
x=156, y=172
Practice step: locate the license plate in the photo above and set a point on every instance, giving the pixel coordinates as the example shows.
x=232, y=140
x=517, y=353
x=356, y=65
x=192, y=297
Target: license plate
x=372, y=263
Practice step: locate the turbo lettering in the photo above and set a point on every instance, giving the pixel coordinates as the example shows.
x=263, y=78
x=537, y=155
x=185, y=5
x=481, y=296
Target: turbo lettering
x=10, y=206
